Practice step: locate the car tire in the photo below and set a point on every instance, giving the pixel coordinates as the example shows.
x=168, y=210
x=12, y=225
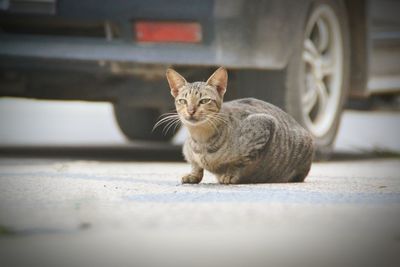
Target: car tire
x=317, y=75
x=137, y=123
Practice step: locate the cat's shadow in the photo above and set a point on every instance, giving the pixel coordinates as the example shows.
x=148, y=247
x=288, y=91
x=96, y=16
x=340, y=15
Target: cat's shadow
x=244, y=186
x=205, y=185
x=216, y=185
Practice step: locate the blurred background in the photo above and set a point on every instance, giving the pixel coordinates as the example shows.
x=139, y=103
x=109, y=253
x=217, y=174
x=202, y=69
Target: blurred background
x=32, y=123
x=91, y=73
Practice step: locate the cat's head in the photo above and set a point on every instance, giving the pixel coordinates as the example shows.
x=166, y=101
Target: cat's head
x=197, y=101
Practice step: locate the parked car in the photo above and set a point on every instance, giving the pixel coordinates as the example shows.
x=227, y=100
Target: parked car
x=304, y=56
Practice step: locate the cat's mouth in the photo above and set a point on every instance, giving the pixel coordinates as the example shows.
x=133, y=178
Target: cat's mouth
x=192, y=120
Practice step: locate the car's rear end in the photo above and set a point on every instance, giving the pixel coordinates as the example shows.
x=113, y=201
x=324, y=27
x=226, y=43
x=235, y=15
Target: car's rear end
x=117, y=35
x=65, y=43
x=118, y=50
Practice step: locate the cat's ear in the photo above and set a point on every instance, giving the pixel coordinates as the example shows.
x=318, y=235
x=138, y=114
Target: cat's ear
x=219, y=79
x=176, y=81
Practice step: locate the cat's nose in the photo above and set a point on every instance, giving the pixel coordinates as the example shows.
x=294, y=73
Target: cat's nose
x=191, y=111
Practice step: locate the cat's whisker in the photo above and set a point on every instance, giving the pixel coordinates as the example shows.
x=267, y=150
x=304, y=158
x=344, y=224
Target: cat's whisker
x=222, y=117
x=177, y=125
x=169, y=121
x=167, y=115
x=218, y=115
x=211, y=124
x=166, y=119
x=166, y=127
x=218, y=120
x=162, y=122
x=210, y=121
x=170, y=125
x=213, y=119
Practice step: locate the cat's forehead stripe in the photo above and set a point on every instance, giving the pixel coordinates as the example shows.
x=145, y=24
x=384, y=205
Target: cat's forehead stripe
x=197, y=89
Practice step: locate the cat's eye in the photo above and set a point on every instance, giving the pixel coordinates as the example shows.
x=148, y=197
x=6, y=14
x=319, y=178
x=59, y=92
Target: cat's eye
x=205, y=101
x=182, y=101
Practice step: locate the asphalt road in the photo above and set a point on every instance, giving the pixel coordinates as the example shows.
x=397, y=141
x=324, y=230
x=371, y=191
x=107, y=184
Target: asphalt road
x=68, y=204
x=104, y=213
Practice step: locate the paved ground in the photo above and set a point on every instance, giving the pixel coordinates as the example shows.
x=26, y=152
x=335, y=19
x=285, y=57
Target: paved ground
x=57, y=212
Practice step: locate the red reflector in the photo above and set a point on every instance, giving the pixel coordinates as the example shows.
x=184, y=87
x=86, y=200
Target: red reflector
x=172, y=32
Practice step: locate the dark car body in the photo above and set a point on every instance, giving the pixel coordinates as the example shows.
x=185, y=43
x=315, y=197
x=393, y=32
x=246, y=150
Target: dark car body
x=72, y=36
x=51, y=50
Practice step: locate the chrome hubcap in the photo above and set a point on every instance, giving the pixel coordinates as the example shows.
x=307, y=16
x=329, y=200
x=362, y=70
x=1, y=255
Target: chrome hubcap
x=323, y=62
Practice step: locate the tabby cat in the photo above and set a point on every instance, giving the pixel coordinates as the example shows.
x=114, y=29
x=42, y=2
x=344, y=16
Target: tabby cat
x=241, y=141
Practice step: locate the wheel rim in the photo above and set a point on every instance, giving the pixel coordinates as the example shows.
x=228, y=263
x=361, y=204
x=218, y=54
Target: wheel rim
x=323, y=71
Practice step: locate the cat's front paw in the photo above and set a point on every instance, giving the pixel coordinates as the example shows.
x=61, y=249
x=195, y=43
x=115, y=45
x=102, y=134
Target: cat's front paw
x=191, y=179
x=228, y=179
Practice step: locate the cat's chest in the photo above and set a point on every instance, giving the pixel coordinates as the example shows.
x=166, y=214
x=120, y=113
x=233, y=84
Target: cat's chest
x=207, y=161
x=209, y=157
